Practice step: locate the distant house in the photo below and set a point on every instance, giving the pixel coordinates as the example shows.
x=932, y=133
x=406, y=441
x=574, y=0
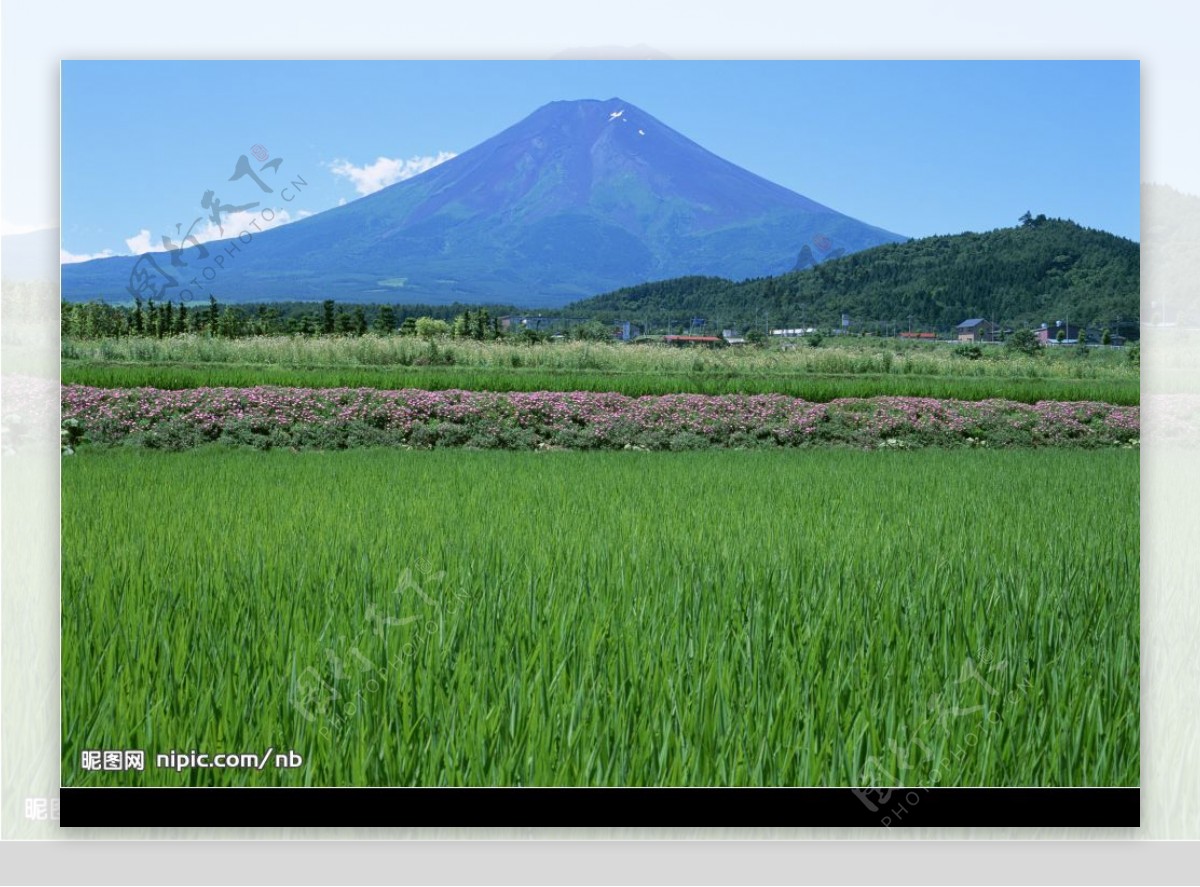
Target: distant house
x=975, y=330
x=694, y=341
x=625, y=331
x=523, y=321
x=1048, y=335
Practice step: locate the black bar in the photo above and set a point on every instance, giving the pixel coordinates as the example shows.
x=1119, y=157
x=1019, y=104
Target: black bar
x=600, y=807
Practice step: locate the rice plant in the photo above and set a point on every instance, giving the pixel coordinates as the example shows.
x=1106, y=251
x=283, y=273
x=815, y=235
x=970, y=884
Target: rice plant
x=836, y=356
x=814, y=387
x=825, y=617
x=846, y=368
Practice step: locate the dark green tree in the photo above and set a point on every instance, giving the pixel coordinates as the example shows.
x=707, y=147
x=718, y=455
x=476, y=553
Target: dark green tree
x=138, y=319
x=385, y=321
x=232, y=323
x=155, y=314
x=328, y=318
x=461, y=328
x=592, y=331
x=480, y=325
x=1023, y=341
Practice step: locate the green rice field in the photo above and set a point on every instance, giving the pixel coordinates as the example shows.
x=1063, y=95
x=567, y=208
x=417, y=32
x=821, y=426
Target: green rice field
x=840, y=367
x=817, y=388
x=454, y=617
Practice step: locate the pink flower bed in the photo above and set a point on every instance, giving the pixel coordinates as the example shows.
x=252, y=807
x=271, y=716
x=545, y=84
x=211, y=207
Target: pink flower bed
x=342, y=417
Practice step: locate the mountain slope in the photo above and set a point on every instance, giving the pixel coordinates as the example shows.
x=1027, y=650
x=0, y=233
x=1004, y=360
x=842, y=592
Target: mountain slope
x=579, y=198
x=1038, y=272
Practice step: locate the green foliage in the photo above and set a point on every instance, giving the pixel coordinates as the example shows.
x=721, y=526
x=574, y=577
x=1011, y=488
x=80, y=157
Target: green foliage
x=461, y=327
x=842, y=367
x=429, y=327
x=1018, y=276
x=276, y=318
x=385, y=322
x=1106, y=337
x=760, y=643
x=93, y=320
x=421, y=372
x=814, y=339
x=968, y=352
x=592, y=331
x=474, y=324
x=232, y=323
x=1024, y=342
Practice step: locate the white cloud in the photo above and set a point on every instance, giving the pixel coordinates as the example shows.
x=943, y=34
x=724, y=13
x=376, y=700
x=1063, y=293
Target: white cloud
x=140, y=243
x=386, y=170
x=232, y=223
x=66, y=258
x=341, y=201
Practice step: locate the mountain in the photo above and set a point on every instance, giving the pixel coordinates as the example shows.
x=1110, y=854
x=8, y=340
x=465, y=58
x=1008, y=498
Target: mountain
x=1040, y=271
x=579, y=198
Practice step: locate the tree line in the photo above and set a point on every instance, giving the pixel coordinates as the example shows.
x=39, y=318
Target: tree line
x=98, y=319
x=1041, y=270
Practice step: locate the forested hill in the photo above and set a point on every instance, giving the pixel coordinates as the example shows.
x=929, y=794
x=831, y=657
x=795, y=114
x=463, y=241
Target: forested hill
x=1041, y=270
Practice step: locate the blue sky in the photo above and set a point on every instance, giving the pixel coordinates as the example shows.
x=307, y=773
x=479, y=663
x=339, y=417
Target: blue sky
x=915, y=147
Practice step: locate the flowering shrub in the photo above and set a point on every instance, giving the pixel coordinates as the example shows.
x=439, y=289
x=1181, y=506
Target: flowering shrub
x=337, y=418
